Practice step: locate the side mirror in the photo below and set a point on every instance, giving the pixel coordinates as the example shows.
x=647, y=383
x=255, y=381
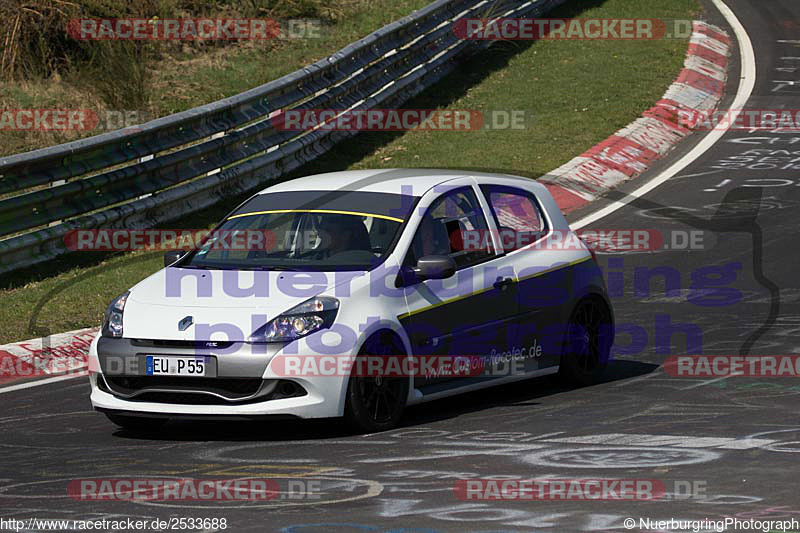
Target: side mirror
x=434, y=267
x=172, y=256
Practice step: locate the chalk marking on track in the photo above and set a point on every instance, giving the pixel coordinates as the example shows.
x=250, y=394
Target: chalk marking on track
x=709, y=382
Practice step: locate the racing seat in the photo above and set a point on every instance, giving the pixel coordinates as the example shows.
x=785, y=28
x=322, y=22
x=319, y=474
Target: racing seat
x=359, y=236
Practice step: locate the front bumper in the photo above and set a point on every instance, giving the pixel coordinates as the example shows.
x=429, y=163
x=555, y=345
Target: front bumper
x=240, y=383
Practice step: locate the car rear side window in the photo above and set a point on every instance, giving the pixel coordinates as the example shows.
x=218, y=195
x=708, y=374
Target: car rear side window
x=517, y=215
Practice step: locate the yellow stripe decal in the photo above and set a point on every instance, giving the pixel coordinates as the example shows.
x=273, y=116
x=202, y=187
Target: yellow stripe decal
x=330, y=211
x=457, y=298
x=557, y=267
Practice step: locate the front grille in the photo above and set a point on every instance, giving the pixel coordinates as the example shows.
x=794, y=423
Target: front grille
x=185, y=398
x=211, y=345
x=199, y=391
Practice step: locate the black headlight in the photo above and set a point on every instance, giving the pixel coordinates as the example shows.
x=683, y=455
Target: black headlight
x=310, y=316
x=112, y=320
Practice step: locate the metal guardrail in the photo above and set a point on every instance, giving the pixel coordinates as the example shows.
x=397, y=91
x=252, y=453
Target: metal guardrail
x=139, y=177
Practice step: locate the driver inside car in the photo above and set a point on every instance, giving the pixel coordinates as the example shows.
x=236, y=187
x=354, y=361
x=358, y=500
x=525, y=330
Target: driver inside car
x=343, y=233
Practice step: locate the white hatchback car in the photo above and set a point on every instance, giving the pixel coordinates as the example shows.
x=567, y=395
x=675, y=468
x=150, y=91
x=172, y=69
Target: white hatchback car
x=423, y=265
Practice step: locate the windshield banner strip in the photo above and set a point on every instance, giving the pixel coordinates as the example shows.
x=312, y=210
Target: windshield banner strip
x=332, y=211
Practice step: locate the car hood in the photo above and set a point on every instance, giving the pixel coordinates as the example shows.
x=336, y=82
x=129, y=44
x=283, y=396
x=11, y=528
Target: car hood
x=224, y=304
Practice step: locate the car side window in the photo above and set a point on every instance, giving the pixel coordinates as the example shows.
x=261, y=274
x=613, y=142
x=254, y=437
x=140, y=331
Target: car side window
x=517, y=214
x=445, y=224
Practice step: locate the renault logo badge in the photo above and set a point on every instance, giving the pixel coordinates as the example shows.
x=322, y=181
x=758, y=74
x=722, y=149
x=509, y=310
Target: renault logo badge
x=184, y=324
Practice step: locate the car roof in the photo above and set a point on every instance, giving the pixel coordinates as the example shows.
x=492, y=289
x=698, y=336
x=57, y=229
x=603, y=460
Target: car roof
x=414, y=182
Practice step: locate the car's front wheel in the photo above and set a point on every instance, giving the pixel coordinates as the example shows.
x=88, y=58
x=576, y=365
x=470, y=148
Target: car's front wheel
x=587, y=346
x=137, y=424
x=376, y=403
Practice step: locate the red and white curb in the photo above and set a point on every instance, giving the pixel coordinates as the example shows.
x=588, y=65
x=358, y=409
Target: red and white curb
x=60, y=354
x=632, y=150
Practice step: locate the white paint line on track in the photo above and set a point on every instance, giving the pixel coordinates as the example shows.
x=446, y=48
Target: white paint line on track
x=709, y=382
x=746, y=86
x=38, y=382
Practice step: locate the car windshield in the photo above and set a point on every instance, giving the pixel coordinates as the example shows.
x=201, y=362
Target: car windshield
x=308, y=230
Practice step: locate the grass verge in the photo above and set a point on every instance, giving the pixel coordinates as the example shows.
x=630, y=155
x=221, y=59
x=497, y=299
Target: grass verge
x=579, y=92
x=157, y=78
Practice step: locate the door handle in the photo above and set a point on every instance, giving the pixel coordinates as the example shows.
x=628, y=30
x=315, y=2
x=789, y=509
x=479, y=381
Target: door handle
x=502, y=283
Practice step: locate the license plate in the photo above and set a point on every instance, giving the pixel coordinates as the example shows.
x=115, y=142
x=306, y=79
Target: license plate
x=176, y=366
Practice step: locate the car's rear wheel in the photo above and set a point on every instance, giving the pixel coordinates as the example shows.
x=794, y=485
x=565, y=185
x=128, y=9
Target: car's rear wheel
x=376, y=403
x=587, y=345
x=138, y=424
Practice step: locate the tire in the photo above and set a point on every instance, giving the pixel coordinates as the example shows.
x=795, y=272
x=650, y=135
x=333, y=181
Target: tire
x=587, y=343
x=376, y=404
x=137, y=424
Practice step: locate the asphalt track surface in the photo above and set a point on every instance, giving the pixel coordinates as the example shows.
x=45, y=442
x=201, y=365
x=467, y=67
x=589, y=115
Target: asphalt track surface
x=735, y=441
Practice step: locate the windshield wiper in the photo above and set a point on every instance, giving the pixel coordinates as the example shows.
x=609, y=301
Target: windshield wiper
x=282, y=268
